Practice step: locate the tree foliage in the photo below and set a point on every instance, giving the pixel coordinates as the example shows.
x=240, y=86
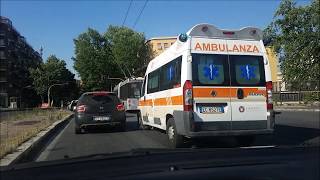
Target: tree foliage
x=117, y=53
x=93, y=59
x=295, y=35
x=51, y=72
x=128, y=48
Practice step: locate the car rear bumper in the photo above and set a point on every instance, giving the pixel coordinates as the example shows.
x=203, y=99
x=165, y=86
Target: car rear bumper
x=186, y=126
x=84, y=120
x=100, y=124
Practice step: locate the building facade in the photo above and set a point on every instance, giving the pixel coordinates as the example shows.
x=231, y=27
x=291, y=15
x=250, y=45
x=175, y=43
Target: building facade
x=276, y=75
x=16, y=57
x=160, y=44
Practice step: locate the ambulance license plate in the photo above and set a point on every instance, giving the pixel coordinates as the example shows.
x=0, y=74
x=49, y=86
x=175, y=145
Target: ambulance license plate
x=211, y=109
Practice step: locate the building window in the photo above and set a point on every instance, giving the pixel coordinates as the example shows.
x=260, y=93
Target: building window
x=159, y=46
x=2, y=42
x=2, y=56
x=166, y=45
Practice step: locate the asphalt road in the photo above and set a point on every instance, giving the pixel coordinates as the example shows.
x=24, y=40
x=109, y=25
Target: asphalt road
x=293, y=128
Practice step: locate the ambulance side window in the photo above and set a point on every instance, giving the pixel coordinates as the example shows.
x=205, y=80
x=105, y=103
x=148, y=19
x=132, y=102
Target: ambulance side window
x=171, y=74
x=153, y=81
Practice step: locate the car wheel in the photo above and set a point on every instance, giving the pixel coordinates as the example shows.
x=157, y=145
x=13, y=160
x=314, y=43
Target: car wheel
x=175, y=139
x=245, y=140
x=77, y=130
x=122, y=127
x=140, y=123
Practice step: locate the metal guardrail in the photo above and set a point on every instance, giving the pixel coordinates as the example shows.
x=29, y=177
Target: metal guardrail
x=294, y=96
x=27, y=109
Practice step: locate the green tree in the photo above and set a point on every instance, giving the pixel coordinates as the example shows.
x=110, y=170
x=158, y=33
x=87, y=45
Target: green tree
x=128, y=48
x=295, y=35
x=118, y=52
x=93, y=60
x=51, y=72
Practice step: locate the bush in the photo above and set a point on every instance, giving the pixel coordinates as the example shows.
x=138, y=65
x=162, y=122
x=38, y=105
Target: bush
x=310, y=97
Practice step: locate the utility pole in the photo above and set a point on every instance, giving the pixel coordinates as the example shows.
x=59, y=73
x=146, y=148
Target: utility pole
x=41, y=51
x=60, y=84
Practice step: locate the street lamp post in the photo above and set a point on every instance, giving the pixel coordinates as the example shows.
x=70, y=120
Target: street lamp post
x=60, y=84
x=111, y=78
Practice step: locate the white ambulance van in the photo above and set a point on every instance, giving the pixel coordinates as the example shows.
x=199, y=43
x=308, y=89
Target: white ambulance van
x=210, y=82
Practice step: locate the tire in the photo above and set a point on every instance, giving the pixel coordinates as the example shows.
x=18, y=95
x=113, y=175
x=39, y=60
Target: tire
x=245, y=140
x=140, y=123
x=122, y=127
x=77, y=130
x=175, y=139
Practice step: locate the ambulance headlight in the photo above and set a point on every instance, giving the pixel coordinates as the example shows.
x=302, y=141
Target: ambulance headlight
x=183, y=37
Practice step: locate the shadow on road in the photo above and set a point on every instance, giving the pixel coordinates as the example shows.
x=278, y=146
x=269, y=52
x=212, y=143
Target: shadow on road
x=283, y=136
x=289, y=135
x=131, y=126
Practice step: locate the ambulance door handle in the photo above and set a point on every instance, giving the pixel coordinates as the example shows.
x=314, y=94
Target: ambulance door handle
x=240, y=93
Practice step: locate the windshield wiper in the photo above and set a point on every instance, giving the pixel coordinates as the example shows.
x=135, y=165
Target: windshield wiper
x=132, y=152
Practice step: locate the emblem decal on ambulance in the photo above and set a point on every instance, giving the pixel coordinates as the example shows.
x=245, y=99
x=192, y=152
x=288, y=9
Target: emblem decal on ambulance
x=248, y=72
x=211, y=71
x=241, y=109
x=213, y=93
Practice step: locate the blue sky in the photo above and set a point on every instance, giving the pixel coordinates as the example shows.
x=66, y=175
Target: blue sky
x=54, y=24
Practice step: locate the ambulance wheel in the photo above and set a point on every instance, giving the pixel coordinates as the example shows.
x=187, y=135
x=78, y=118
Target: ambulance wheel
x=175, y=139
x=245, y=140
x=140, y=123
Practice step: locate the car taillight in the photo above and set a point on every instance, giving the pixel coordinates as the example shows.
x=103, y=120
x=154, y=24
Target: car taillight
x=269, y=95
x=187, y=96
x=81, y=108
x=102, y=93
x=120, y=107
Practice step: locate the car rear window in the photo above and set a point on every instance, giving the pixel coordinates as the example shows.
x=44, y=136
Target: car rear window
x=98, y=98
x=247, y=70
x=210, y=69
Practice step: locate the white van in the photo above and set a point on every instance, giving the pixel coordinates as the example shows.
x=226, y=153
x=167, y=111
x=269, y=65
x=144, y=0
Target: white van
x=210, y=82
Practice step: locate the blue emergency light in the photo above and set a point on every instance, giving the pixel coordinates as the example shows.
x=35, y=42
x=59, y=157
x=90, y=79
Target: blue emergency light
x=183, y=37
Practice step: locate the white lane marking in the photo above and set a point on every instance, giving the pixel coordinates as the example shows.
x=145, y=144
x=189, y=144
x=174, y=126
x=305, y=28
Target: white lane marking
x=258, y=147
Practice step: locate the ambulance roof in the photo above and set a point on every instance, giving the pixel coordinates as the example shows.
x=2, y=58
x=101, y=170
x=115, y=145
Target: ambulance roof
x=203, y=30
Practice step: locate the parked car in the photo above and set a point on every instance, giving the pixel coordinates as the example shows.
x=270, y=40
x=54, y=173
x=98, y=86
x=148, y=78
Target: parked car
x=99, y=108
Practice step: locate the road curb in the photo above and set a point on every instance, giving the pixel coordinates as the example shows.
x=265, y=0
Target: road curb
x=29, y=149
